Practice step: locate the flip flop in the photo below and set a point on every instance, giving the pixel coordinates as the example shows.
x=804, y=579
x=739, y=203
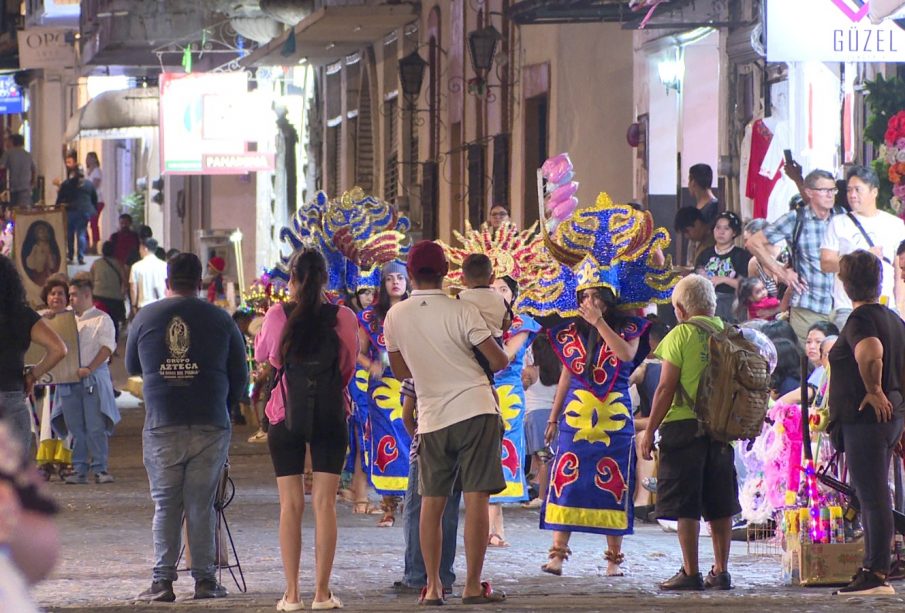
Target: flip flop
x=487, y=596
x=423, y=601
x=499, y=541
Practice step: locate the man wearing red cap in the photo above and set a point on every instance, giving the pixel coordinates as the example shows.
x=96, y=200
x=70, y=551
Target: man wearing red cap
x=430, y=339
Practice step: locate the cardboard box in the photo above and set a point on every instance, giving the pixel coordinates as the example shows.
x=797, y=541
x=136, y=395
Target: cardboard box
x=821, y=564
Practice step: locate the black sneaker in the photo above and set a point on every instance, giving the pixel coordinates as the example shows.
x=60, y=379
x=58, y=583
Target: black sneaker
x=866, y=583
x=682, y=582
x=160, y=591
x=209, y=588
x=718, y=581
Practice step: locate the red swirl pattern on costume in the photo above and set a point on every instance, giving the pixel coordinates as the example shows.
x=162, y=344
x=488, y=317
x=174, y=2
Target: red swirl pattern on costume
x=572, y=349
x=387, y=452
x=566, y=472
x=510, y=459
x=609, y=478
x=371, y=323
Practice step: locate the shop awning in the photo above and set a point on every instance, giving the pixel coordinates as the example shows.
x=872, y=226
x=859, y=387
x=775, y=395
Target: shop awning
x=126, y=113
x=330, y=33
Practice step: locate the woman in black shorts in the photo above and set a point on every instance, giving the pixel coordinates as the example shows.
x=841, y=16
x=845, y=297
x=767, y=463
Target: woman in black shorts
x=290, y=333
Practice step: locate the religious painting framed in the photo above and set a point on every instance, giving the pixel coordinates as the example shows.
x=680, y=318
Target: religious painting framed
x=39, y=247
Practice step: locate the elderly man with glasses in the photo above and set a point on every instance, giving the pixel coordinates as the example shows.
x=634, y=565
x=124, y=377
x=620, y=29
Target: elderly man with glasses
x=804, y=231
x=868, y=228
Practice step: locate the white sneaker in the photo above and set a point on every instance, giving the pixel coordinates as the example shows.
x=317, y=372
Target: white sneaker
x=260, y=437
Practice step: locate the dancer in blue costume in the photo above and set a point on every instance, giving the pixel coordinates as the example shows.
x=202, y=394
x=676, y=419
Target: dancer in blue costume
x=515, y=256
x=511, y=393
x=357, y=460
x=605, y=263
x=390, y=443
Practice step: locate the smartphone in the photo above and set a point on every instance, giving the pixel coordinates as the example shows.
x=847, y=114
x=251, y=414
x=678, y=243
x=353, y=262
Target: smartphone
x=787, y=153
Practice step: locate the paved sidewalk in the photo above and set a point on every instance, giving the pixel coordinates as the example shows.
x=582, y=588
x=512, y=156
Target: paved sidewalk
x=106, y=556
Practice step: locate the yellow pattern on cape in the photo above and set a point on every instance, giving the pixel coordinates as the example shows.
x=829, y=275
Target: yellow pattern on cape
x=388, y=396
x=510, y=404
x=595, y=419
x=361, y=379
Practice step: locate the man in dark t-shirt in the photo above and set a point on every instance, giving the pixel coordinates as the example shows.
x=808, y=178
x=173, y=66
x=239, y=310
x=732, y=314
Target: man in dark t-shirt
x=191, y=356
x=700, y=182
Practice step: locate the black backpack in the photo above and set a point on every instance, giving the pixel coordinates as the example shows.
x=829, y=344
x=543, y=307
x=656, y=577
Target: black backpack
x=312, y=386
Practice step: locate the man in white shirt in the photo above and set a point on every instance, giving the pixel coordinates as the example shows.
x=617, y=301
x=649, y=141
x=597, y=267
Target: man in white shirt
x=430, y=338
x=148, y=277
x=88, y=407
x=868, y=228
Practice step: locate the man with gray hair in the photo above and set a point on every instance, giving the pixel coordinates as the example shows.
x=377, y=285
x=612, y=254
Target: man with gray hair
x=804, y=231
x=868, y=228
x=696, y=476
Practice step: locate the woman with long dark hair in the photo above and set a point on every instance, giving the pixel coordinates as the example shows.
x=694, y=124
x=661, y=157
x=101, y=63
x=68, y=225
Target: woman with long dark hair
x=592, y=412
x=20, y=326
x=290, y=333
x=511, y=393
x=389, y=458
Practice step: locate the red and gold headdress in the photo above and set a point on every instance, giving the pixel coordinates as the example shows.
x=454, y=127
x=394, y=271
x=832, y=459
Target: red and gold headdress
x=514, y=254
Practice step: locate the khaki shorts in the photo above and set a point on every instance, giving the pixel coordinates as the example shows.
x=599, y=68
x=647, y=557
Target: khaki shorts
x=469, y=450
x=802, y=319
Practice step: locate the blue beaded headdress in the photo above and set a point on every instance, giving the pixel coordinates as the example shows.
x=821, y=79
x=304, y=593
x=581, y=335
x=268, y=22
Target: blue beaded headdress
x=356, y=233
x=606, y=245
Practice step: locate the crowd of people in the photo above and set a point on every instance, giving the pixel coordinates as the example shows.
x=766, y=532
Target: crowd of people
x=551, y=380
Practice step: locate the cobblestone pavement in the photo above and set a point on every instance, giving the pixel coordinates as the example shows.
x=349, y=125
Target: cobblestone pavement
x=106, y=555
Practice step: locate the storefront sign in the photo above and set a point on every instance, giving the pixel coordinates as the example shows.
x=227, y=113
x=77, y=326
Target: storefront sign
x=830, y=31
x=208, y=120
x=10, y=96
x=46, y=48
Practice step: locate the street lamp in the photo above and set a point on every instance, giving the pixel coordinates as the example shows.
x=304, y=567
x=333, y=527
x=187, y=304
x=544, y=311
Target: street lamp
x=411, y=74
x=482, y=44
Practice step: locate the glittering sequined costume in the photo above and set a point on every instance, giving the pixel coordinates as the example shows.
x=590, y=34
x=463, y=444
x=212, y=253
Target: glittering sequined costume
x=515, y=255
x=604, y=246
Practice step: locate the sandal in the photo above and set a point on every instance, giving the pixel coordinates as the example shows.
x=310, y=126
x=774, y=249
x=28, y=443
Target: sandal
x=495, y=540
x=616, y=559
x=331, y=603
x=423, y=601
x=487, y=596
x=556, y=553
x=389, y=506
x=364, y=507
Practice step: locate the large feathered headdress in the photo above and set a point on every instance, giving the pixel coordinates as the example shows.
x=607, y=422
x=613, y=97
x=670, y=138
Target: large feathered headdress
x=356, y=233
x=606, y=245
x=513, y=253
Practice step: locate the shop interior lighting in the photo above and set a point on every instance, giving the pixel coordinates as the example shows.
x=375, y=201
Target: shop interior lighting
x=672, y=71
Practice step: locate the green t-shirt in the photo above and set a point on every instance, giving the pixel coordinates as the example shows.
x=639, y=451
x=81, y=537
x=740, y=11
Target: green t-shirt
x=685, y=347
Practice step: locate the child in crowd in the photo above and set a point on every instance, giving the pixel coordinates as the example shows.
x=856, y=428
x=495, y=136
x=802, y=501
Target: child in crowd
x=477, y=272
x=645, y=379
x=753, y=295
x=724, y=263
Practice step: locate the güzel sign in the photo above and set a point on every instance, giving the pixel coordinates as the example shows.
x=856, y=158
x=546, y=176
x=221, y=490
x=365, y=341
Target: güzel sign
x=830, y=31
x=45, y=48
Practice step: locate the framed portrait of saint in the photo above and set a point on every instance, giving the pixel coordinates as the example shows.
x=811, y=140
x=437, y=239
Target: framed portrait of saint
x=39, y=247
x=67, y=370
